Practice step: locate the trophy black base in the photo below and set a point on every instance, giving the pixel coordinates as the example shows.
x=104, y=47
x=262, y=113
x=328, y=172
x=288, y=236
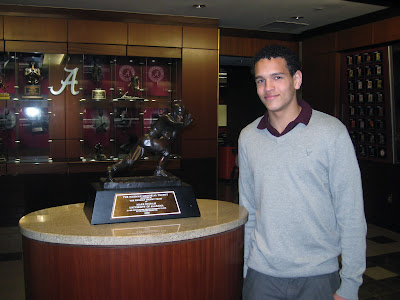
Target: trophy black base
x=132, y=199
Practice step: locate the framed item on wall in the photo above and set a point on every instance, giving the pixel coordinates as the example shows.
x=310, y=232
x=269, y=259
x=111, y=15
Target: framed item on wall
x=366, y=103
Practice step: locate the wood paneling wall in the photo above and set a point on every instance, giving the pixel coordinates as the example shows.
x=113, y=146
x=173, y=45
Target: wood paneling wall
x=319, y=78
x=199, y=92
x=387, y=30
x=155, y=35
x=1, y=28
x=355, y=37
x=319, y=64
x=200, y=38
x=154, y=52
x=320, y=44
x=248, y=47
x=35, y=29
x=97, y=32
x=45, y=47
x=96, y=49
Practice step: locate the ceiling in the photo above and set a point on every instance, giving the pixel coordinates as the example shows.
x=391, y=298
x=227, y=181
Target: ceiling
x=266, y=15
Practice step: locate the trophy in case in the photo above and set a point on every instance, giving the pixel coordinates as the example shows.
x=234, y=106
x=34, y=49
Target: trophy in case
x=99, y=155
x=98, y=93
x=5, y=95
x=32, y=76
x=8, y=124
x=134, y=85
x=2, y=151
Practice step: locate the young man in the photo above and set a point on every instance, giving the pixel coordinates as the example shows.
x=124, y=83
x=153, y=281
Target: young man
x=300, y=181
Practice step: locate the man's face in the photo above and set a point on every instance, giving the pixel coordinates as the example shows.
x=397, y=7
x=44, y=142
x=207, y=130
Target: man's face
x=275, y=86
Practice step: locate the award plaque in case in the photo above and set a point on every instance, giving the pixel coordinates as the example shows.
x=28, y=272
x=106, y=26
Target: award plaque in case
x=5, y=95
x=97, y=74
x=98, y=94
x=32, y=76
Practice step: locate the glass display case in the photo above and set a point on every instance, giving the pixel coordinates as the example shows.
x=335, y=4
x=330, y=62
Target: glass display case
x=25, y=107
x=107, y=103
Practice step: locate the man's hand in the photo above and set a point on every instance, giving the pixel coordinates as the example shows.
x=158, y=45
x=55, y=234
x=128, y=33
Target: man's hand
x=337, y=297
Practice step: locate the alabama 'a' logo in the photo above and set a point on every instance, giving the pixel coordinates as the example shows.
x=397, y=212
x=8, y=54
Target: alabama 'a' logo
x=156, y=74
x=126, y=72
x=70, y=80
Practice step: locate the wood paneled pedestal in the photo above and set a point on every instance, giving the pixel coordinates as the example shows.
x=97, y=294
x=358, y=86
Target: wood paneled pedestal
x=208, y=267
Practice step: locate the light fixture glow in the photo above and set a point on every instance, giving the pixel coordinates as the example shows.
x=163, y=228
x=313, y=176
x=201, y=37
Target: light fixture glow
x=199, y=6
x=32, y=112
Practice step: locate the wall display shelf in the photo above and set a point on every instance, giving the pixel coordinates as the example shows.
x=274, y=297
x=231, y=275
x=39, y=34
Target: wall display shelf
x=366, y=103
x=100, y=104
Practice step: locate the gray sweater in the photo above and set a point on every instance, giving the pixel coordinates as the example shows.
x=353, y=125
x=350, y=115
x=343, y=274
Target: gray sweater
x=304, y=196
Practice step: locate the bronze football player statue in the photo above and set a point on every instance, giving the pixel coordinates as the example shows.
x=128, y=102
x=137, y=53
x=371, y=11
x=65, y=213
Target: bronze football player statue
x=156, y=140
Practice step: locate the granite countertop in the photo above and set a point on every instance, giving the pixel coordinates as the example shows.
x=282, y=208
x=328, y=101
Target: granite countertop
x=68, y=224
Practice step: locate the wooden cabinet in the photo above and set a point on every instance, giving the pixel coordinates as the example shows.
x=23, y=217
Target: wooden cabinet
x=97, y=32
x=155, y=35
x=199, y=37
x=35, y=29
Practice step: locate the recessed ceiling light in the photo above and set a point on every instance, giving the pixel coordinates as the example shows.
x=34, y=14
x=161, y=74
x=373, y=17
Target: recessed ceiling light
x=297, y=17
x=199, y=5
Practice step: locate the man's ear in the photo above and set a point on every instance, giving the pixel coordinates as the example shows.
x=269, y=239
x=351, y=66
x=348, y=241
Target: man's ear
x=297, y=79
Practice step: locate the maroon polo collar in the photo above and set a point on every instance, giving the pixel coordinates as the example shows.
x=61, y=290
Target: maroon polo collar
x=303, y=117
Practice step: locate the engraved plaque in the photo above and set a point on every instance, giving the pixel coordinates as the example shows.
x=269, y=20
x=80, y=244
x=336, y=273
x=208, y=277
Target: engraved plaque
x=32, y=92
x=144, y=204
x=98, y=94
x=116, y=204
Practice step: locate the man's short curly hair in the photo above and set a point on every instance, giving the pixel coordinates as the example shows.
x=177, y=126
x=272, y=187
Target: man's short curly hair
x=274, y=51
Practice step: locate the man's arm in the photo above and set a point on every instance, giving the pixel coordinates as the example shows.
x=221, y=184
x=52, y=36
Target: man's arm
x=347, y=197
x=246, y=198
